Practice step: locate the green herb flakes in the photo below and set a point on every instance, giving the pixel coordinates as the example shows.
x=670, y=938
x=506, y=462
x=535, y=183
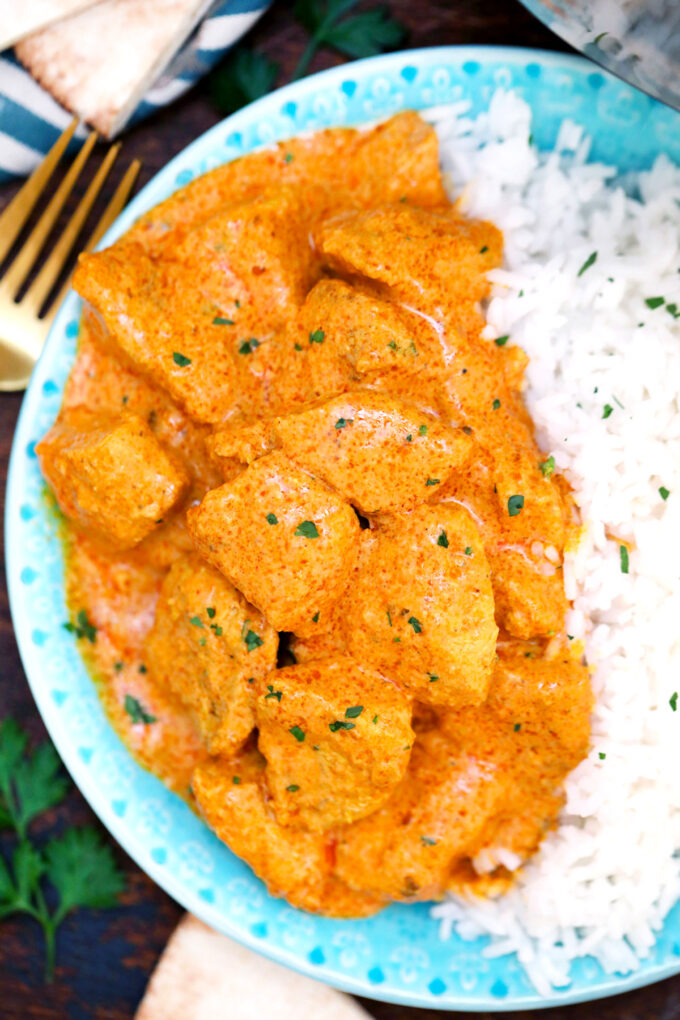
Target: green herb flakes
x=118, y=666
x=317, y=337
x=288, y=158
x=664, y=492
x=374, y=720
x=293, y=788
x=547, y=466
x=82, y=628
x=236, y=780
x=673, y=701
x=590, y=261
x=422, y=430
x=623, y=553
x=389, y=618
x=272, y=519
x=248, y=346
x=515, y=505
x=210, y=610
x=468, y=550
x=416, y=624
x=342, y=422
x=409, y=438
x=354, y=712
x=433, y=677
x=608, y=409
x=432, y=481
x=196, y=620
x=252, y=640
x=496, y=404
x=443, y=540
x=428, y=841
x=501, y=341
x=142, y=668
x=219, y=321
x=297, y=733
x=315, y=618
x=338, y=725
x=136, y=712
x=601, y=755
x=517, y=727
x=181, y=359
x=298, y=347
x=273, y=694
x=655, y=302
x=307, y=529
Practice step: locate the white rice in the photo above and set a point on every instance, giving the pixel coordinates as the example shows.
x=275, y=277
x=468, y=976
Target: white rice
x=604, y=880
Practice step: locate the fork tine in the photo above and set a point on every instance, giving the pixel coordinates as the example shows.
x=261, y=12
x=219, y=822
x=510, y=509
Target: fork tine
x=44, y=281
x=117, y=202
x=31, y=248
x=19, y=209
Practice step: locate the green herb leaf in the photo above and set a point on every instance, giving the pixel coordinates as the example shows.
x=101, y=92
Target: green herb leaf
x=342, y=422
x=297, y=733
x=623, y=553
x=293, y=788
x=272, y=519
x=428, y=841
x=664, y=492
x=590, y=261
x=248, y=346
x=272, y=693
x=374, y=720
x=547, y=466
x=501, y=341
x=219, y=321
x=181, y=359
x=39, y=784
x=608, y=409
x=655, y=302
x=136, y=712
x=236, y=780
x=210, y=610
x=515, y=505
x=315, y=618
x=517, y=727
x=196, y=620
x=252, y=640
x=243, y=77
x=337, y=725
x=673, y=701
x=433, y=677
x=416, y=624
x=307, y=529
x=82, y=870
x=443, y=540
x=468, y=550
x=496, y=404
x=354, y=712
x=422, y=430
x=601, y=756
x=317, y=337
x=432, y=481
x=361, y=35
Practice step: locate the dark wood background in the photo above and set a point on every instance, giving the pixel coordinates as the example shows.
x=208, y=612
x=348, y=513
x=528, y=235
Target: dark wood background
x=105, y=958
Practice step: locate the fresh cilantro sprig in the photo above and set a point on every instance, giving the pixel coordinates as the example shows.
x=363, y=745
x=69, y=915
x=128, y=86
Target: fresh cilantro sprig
x=73, y=870
x=247, y=75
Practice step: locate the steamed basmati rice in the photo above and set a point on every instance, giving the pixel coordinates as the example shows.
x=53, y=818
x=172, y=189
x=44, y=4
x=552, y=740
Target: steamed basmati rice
x=590, y=288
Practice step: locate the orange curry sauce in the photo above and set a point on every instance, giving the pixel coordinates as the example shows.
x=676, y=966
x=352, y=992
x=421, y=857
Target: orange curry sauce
x=283, y=418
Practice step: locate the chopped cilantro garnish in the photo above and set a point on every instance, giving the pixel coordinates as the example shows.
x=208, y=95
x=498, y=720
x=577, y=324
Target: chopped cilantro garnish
x=601, y=756
x=142, y=668
x=202, y=641
x=389, y=618
x=590, y=261
x=443, y=539
x=496, y=404
x=517, y=727
x=297, y=733
x=236, y=780
x=136, y=712
x=288, y=158
x=196, y=620
x=432, y=481
x=515, y=505
x=664, y=492
x=82, y=628
x=673, y=701
x=375, y=719
x=272, y=693
x=181, y=359
x=409, y=438
x=468, y=550
x=341, y=422
x=354, y=711
x=655, y=302
x=315, y=618
x=623, y=553
x=428, y=841
x=547, y=466
x=608, y=409
x=248, y=346
x=422, y=430
x=252, y=640
x=338, y=725
x=501, y=341
x=219, y=321
x=317, y=337
x=307, y=529
x=272, y=519
x=416, y=624
x=484, y=249
x=433, y=677
x=298, y=347
x=218, y=630
x=672, y=309
x=293, y=788
x=210, y=610
x=118, y=666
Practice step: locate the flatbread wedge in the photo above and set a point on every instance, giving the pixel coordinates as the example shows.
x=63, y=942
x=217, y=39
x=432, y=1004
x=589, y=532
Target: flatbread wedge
x=100, y=63
x=19, y=18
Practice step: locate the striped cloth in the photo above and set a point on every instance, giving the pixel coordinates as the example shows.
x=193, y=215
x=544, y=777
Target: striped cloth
x=31, y=120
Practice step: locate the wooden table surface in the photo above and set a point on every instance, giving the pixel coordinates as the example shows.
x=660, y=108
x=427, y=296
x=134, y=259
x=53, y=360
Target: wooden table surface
x=106, y=957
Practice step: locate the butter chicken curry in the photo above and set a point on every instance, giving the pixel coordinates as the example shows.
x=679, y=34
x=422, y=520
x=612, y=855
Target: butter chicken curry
x=314, y=553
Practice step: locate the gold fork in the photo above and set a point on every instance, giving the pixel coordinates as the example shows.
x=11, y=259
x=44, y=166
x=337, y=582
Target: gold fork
x=22, y=330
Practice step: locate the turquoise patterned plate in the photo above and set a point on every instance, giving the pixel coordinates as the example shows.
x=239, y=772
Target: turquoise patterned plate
x=397, y=955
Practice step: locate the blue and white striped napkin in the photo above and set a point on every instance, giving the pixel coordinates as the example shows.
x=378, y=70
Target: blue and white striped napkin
x=31, y=120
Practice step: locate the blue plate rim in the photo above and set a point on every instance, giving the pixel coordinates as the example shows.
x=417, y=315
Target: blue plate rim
x=612, y=985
